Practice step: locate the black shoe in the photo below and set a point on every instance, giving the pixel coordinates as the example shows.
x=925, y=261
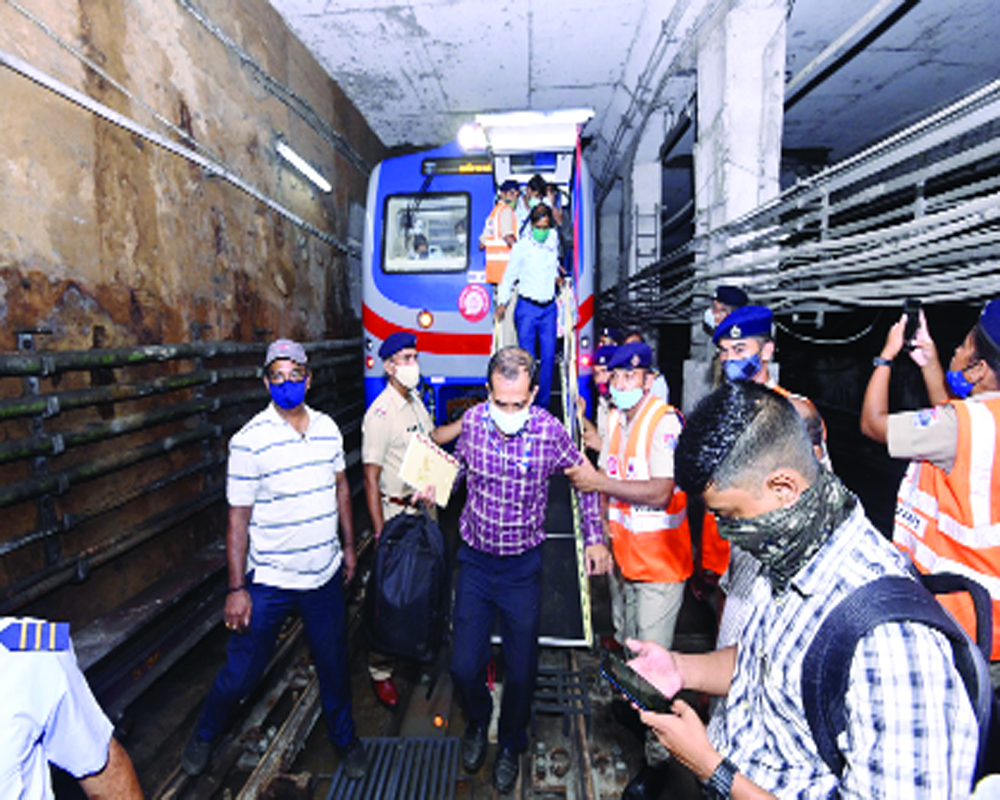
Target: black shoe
x=354, y=759
x=648, y=784
x=473, y=746
x=505, y=769
x=196, y=753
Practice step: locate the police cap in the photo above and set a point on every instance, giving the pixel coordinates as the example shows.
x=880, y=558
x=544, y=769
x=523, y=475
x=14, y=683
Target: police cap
x=745, y=322
x=395, y=342
x=631, y=356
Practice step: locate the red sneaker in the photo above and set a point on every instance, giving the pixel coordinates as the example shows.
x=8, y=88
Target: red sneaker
x=385, y=691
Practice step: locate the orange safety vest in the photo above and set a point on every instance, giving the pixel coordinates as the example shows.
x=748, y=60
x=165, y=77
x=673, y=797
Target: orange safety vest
x=652, y=545
x=950, y=521
x=497, y=249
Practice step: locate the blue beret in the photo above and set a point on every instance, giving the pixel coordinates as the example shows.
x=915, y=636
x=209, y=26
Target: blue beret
x=395, y=342
x=613, y=334
x=631, y=356
x=989, y=322
x=745, y=322
x=603, y=354
x=732, y=296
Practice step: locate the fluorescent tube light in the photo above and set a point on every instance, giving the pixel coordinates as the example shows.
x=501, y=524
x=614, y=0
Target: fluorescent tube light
x=303, y=166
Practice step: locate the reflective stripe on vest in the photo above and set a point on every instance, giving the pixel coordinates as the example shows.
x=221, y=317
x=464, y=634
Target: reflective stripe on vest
x=950, y=522
x=650, y=544
x=497, y=250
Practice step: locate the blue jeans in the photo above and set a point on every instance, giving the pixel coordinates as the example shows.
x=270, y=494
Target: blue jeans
x=324, y=617
x=511, y=585
x=536, y=333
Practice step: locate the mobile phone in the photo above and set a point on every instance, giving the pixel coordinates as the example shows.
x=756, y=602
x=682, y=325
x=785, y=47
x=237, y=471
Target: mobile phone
x=635, y=687
x=911, y=307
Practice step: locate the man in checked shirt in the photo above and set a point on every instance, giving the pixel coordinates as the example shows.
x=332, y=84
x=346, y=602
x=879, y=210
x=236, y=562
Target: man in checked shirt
x=508, y=450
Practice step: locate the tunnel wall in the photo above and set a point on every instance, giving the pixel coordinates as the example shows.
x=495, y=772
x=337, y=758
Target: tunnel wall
x=110, y=240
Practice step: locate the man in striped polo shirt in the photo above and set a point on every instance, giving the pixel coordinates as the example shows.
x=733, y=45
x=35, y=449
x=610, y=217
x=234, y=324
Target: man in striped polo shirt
x=286, y=489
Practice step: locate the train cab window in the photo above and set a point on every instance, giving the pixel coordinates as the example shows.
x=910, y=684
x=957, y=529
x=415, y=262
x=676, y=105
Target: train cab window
x=426, y=233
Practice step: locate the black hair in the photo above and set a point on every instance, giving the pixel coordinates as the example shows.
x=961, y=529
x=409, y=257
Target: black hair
x=510, y=362
x=418, y=240
x=986, y=350
x=737, y=436
x=538, y=185
x=539, y=211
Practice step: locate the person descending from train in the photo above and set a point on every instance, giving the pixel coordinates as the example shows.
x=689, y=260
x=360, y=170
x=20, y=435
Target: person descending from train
x=948, y=507
x=507, y=451
x=500, y=234
x=534, y=268
x=288, y=494
x=50, y=716
x=647, y=519
x=388, y=425
x=594, y=431
x=659, y=388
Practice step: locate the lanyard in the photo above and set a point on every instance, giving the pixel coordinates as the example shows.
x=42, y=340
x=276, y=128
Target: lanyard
x=523, y=463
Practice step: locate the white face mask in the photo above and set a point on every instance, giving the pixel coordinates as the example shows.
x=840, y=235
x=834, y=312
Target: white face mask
x=709, y=319
x=509, y=423
x=408, y=375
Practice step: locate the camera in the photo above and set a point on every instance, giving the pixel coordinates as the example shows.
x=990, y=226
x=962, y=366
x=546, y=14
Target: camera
x=911, y=308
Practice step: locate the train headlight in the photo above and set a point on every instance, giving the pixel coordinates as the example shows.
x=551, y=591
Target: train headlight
x=585, y=360
x=425, y=319
x=369, y=362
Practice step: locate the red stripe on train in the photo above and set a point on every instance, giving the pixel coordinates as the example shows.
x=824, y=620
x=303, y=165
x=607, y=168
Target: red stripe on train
x=448, y=344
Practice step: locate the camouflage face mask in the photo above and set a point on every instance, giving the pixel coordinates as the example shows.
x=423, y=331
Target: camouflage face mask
x=785, y=539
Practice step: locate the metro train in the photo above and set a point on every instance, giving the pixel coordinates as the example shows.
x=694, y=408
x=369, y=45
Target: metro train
x=423, y=270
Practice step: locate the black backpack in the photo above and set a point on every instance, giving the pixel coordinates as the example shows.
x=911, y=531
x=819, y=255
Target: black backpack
x=409, y=592
x=899, y=599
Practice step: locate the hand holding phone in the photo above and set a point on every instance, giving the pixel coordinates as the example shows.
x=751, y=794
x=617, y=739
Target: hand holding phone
x=911, y=308
x=635, y=687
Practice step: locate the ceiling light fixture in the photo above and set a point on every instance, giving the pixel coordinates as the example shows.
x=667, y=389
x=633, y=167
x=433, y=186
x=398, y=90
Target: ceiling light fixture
x=303, y=166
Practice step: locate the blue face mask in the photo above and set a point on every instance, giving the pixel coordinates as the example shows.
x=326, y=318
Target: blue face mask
x=626, y=399
x=959, y=386
x=288, y=395
x=742, y=369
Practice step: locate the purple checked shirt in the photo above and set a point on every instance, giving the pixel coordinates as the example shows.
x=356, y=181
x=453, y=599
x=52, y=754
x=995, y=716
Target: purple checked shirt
x=507, y=480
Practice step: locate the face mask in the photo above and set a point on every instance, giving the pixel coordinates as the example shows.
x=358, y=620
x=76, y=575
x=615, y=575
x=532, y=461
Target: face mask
x=408, y=375
x=742, y=369
x=460, y=237
x=288, y=395
x=540, y=234
x=709, y=319
x=959, y=386
x=509, y=424
x=511, y=201
x=626, y=399
x=534, y=201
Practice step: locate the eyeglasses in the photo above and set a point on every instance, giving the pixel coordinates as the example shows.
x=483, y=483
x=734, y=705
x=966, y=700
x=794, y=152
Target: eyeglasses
x=278, y=378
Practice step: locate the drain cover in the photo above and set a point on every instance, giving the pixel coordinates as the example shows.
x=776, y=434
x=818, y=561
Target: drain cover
x=398, y=768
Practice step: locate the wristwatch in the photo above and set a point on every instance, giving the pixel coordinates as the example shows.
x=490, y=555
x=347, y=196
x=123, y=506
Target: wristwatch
x=720, y=784
x=878, y=361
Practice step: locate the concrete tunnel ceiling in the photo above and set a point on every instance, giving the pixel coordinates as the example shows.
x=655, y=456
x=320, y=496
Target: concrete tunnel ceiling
x=418, y=70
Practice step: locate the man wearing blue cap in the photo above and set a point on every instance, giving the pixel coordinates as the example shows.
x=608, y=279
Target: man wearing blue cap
x=948, y=509
x=725, y=300
x=388, y=425
x=288, y=493
x=593, y=432
x=647, y=519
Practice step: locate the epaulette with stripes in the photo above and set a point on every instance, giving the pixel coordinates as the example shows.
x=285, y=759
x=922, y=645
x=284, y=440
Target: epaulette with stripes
x=33, y=635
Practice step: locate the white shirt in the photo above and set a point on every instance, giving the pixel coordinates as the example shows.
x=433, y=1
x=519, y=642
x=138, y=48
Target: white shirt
x=535, y=266
x=290, y=480
x=48, y=714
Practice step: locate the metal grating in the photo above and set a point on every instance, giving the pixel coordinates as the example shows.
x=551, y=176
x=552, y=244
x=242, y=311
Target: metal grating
x=562, y=692
x=403, y=768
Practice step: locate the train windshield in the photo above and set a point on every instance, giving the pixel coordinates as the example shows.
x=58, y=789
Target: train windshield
x=426, y=233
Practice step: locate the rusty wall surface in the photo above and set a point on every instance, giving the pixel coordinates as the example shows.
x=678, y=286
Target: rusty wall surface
x=108, y=240
x=99, y=227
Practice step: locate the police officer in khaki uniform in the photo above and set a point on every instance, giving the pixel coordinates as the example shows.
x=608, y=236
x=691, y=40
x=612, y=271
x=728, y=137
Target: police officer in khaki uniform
x=391, y=420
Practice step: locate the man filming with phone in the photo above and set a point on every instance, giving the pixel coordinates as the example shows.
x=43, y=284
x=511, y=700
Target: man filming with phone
x=948, y=509
x=910, y=728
